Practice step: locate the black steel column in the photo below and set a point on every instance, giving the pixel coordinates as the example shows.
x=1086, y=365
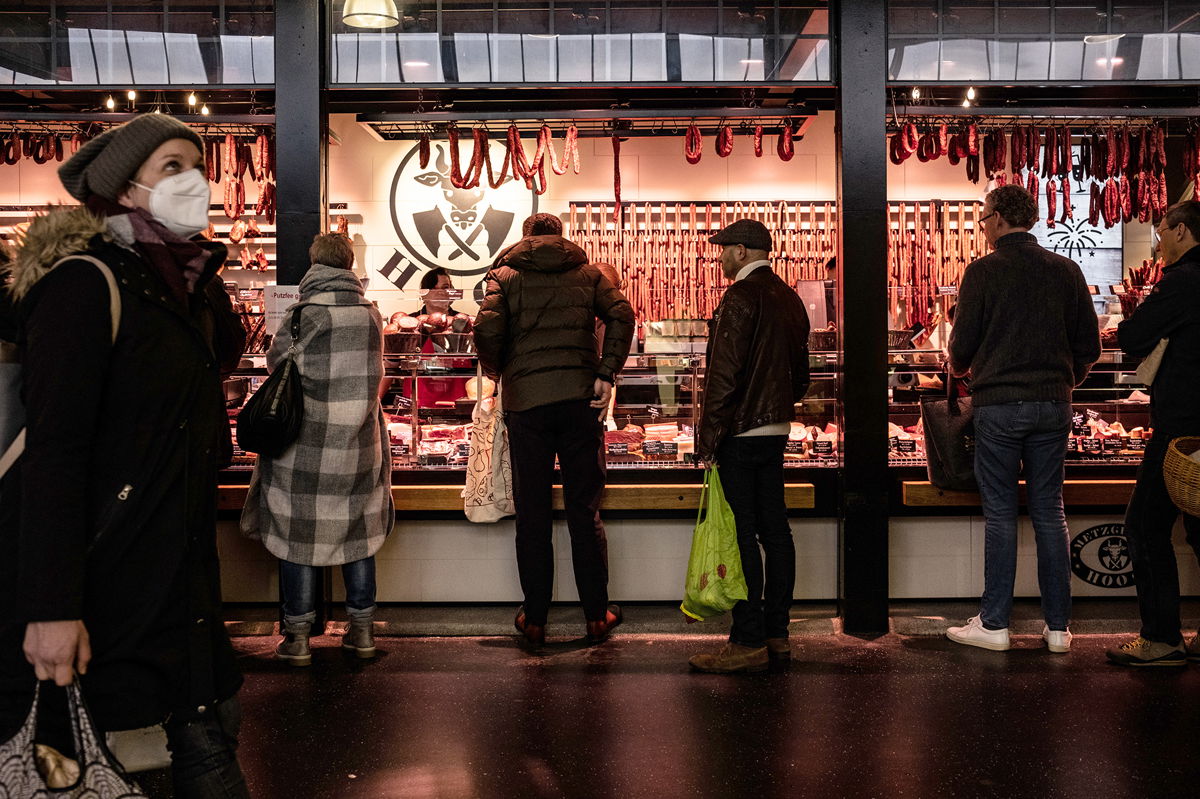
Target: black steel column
x=301, y=125
x=860, y=37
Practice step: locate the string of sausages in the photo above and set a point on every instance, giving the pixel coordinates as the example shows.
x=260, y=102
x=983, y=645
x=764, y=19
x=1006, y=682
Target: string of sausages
x=670, y=269
x=1124, y=164
x=785, y=145
x=39, y=147
x=531, y=170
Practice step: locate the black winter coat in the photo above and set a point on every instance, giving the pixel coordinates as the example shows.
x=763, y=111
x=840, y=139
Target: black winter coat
x=536, y=327
x=110, y=515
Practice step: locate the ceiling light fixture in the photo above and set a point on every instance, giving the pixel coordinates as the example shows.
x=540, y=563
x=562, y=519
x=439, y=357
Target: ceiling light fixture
x=110, y=103
x=966, y=103
x=415, y=64
x=370, y=14
x=915, y=93
x=1115, y=61
x=1102, y=38
x=970, y=92
x=751, y=61
x=192, y=98
x=204, y=109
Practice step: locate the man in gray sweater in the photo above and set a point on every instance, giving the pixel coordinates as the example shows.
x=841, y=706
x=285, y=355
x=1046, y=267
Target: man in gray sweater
x=1025, y=330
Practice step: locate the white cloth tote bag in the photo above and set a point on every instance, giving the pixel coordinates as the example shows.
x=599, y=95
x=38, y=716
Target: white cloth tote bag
x=488, y=494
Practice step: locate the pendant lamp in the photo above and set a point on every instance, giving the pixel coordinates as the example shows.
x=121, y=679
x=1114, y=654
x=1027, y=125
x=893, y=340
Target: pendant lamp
x=370, y=14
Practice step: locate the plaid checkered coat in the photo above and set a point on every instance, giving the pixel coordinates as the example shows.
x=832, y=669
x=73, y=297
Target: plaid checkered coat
x=327, y=500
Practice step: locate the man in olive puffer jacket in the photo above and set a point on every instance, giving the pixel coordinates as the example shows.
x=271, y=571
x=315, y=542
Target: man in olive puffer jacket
x=536, y=334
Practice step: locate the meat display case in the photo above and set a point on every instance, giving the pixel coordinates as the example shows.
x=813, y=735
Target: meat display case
x=430, y=399
x=1111, y=419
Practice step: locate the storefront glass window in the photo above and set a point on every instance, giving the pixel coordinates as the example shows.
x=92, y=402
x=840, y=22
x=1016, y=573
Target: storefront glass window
x=1050, y=40
x=164, y=43
x=621, y=41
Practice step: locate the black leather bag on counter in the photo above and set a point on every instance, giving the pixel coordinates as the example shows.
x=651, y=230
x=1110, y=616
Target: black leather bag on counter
x=949, y=440
x=270, y=422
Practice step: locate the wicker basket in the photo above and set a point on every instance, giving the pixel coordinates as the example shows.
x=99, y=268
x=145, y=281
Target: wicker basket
x=1182, y=475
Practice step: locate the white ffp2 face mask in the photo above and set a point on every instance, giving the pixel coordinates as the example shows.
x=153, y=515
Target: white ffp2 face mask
x=180, y=202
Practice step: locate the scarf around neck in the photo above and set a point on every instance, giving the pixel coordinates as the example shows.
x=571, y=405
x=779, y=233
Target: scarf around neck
x=183, y=264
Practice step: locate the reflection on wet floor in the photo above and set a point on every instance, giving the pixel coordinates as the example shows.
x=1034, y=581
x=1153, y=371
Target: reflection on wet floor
x=889, y=717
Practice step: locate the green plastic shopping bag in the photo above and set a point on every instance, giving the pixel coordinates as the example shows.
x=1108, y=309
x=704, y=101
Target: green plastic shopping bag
x=715, y=581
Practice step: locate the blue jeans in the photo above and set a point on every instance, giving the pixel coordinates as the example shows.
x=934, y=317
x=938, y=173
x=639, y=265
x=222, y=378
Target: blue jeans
x=1011, y=438
x=204, y=753
x=298, y=585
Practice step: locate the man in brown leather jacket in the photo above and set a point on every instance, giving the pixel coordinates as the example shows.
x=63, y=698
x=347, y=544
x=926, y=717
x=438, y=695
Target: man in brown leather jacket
x=756, y=370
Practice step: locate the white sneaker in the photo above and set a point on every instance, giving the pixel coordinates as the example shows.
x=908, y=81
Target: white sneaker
x=1057, y=640
x=973, y=633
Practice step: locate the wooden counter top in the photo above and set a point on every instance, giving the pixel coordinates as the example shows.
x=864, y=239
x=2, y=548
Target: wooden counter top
x=645, y=496
x=1112, y=493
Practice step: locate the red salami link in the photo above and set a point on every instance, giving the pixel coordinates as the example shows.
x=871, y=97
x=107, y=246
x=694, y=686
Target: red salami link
x=616, y=145
x=1143, y=196
x=1018, y=148
x=896, y=152
x=1051, y=201
x=1001, y=151
x=724, y=141
x=423, y=151
x=693, y=144
x=1066, y=157
x=1085, y=156
x=927, y=149
x=758, y=134
x=910, y=138
x=1160, y=147
x=989, y=154
x=1110, y=137
x=973, y=168
x=1094, y=206
x=1098, y=158
x=1126, y=200
x=1050, y=156
x=231, y=156
x=1034, y=145
x=972, y=139
x=1112, y=203
x=1001, y=179
x=952, y=151
x=493, y=181
x=58, y=148
x=1162, y=195
x=785, y=147
x=1123, y=153
x=1031, y=183
x=943, y=138
x=1067, y=212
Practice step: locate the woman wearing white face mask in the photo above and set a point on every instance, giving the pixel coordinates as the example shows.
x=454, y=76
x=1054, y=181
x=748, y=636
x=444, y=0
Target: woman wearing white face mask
x=108, y=562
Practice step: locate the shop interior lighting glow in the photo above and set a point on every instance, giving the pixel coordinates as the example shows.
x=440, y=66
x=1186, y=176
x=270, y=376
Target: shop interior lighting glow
x=204, y=109
x=966, y=103
x=370, y=14
x=416, y=64
x=192, y=98
x=131, y=94
x=1102, y=38
x=110, y=103
x=751, y=61
x=970, y=92
x=1114, y=61
x=915, y=93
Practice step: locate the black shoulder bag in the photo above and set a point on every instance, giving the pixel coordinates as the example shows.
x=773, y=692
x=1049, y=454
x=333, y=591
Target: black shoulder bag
x=270, y=422
x=949, y=440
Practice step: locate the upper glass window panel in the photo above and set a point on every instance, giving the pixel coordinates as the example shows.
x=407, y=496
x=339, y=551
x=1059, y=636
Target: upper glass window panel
x=163, y=43
x=619, y=41
x=978, y=41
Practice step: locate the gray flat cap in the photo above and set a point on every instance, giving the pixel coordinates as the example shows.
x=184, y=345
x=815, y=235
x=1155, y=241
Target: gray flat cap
x=750, y=233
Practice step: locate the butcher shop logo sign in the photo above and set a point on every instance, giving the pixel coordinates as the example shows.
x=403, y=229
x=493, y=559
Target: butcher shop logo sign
x=1100, y=556
x=461, y=230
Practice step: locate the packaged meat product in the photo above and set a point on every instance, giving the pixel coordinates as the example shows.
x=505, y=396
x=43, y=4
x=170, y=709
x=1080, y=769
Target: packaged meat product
x=662, y=432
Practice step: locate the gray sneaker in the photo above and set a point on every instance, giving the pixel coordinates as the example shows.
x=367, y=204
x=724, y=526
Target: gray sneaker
x=1140, y=652
x=1193, y=648
x=360, y=636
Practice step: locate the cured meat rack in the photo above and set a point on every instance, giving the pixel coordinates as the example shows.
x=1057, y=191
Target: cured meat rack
x=670, y=271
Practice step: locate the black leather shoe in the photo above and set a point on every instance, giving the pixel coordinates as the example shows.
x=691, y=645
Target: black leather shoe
x=597, y=631
x=533, y=636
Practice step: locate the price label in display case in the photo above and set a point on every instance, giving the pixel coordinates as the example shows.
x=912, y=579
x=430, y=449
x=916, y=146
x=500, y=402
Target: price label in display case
x=823, y=448
x=617, y=448
x=794, y=447
x=400, y=450
x=906, y=446
x=1137, y=444
x=652, y=448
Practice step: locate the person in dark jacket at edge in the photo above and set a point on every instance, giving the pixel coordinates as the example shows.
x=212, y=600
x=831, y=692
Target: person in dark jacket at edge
x=756, y=370
x=535, y=332
x=1171, y=311
x=108, y=557
x=1026, y=330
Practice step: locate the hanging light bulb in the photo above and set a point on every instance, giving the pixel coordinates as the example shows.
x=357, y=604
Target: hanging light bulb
x=970, y=92
x=158, y=110
x=915, y=93
x=192, y=98
x=204, y=109
x=131, y=94
x=966, y=103
x=110, y=103
x=370, y=14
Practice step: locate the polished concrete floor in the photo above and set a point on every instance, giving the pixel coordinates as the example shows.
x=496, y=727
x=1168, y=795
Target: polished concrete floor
x=890, y=717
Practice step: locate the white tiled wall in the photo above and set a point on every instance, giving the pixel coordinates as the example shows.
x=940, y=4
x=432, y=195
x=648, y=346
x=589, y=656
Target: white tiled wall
x=940, y=557
x=456, y=561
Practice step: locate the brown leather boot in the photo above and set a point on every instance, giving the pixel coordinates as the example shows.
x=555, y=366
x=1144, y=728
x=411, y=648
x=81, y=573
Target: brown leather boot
x=597, y=631
x=732, y=658
x=779, y=649
x=533, y=636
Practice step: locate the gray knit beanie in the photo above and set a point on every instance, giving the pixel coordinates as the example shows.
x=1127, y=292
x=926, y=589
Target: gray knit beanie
x=107, y=163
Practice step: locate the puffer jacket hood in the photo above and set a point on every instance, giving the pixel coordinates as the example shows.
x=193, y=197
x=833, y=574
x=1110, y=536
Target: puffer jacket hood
x=329, y=285
x=50, y=238
x=543, y=254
